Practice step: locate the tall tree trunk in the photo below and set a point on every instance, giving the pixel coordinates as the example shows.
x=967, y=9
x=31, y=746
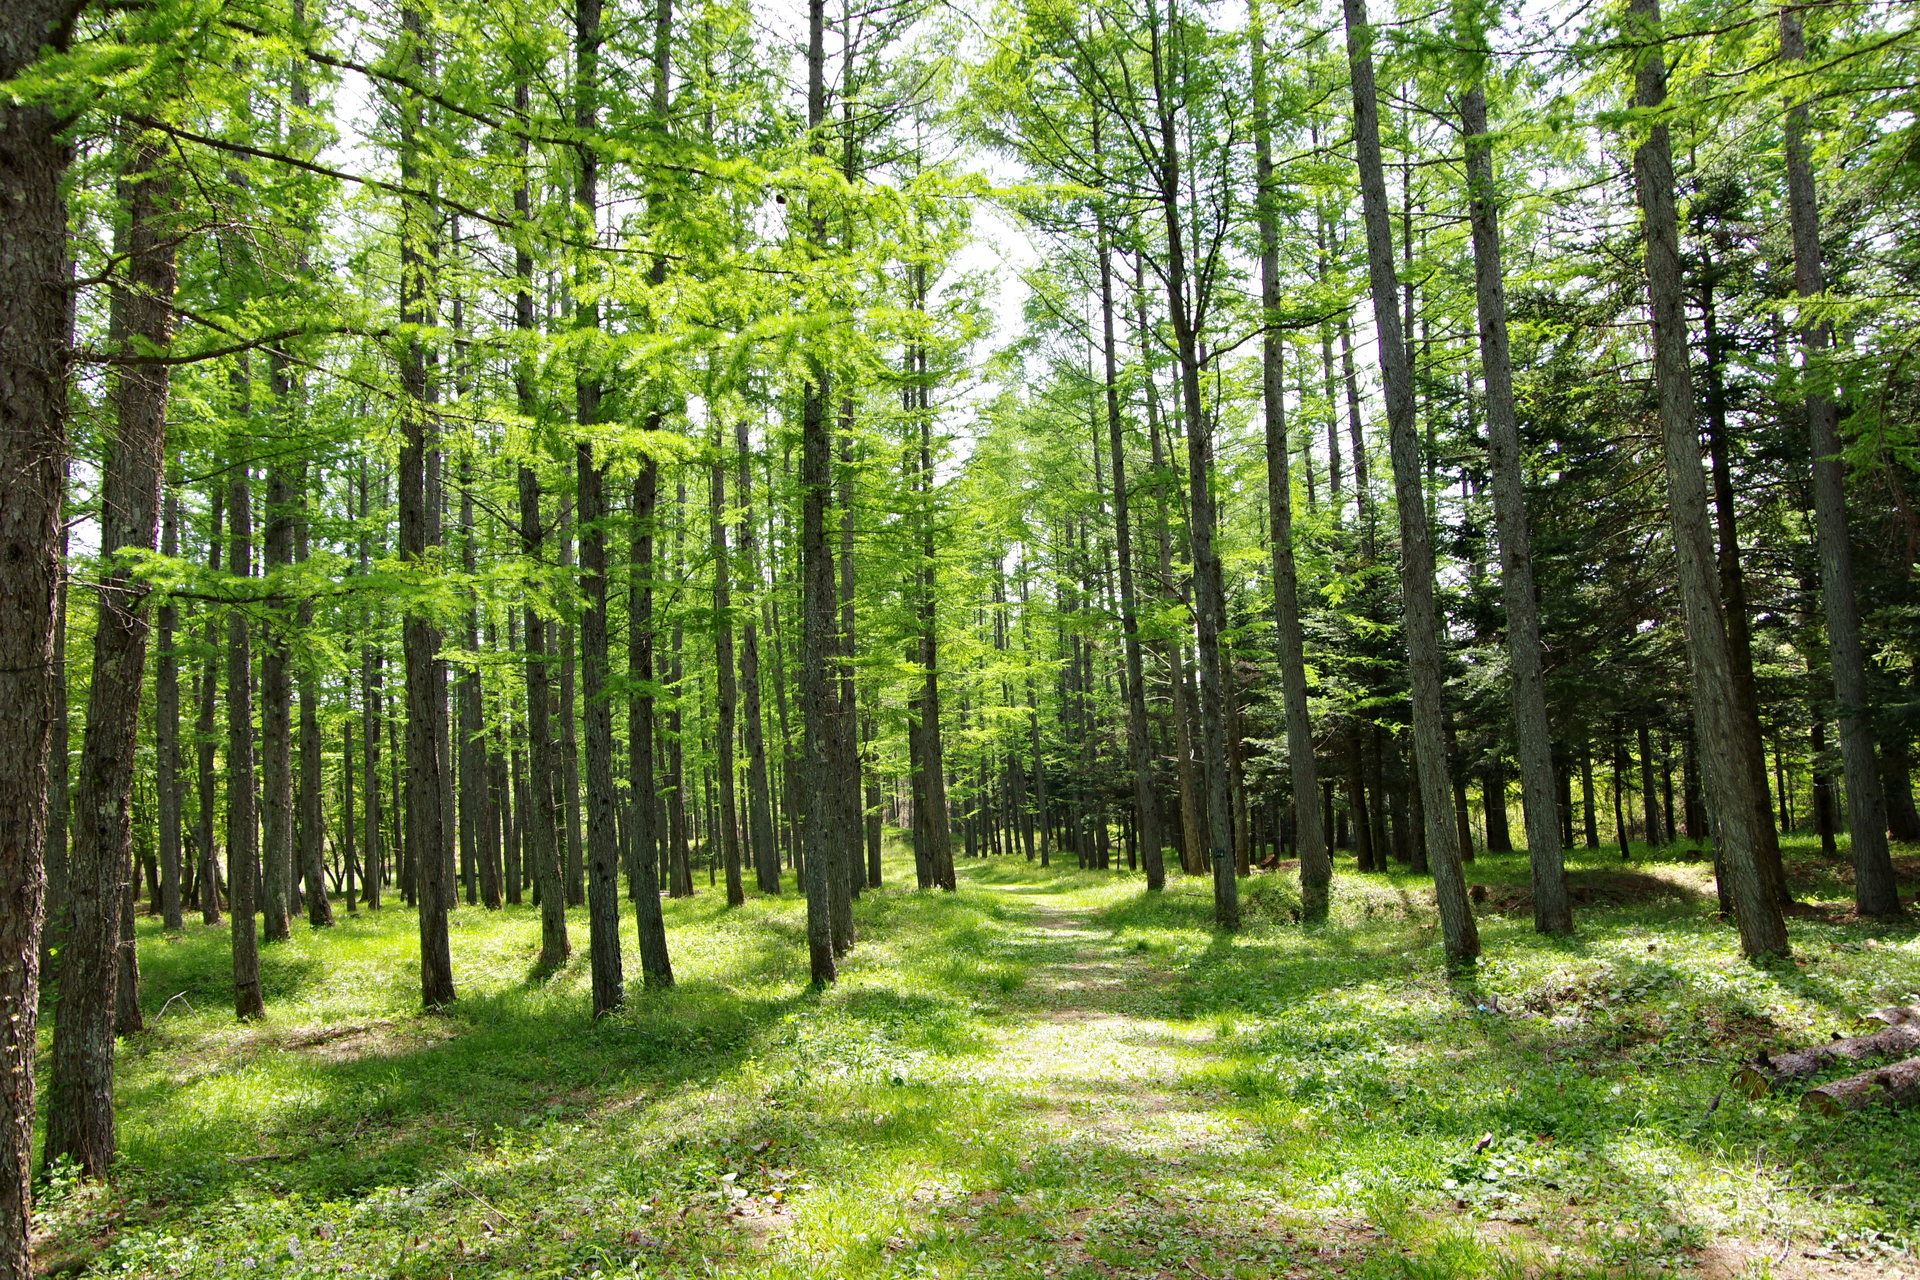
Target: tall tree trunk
x=243, y=816
x=816, y=588
x=206, y=726
x=1209, y=589
x=726, y=693
x=1762, y=928
x=844, y=765
x=603, y=838
x=80, y=1093
x=476, y=790
x=764, y=852
x=543, y=814
x=375, y=876
x=311, y=835
x=1649, y=795
x=563, y=638
x=1316, y=864
x=1875, y=891
x=933, y=836
x=168, y=783
x=276, y=685
x=1421, y=620
x=1733, y=591
x=428, y=843
x=35, y=330
x=656, y=966
x=1552, y=912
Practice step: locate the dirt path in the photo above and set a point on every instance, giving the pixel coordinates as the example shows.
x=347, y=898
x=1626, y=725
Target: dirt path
x=1101, y=1060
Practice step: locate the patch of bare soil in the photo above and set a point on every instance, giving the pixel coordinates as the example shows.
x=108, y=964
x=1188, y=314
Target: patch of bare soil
x=1732, y=1258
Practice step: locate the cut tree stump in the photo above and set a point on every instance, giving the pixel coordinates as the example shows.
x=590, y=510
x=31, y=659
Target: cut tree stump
x=1758, y=1076
x=1891, y=1086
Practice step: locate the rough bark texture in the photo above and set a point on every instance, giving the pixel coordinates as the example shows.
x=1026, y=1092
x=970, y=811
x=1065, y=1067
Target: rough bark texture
x=1875, y=891
x=764, y=852
x=426, y=750
x=816, y=593
x=656, y=967
x=603, y=836
x=1762, y=928
x=1421, y=616
x=1552, y=912
x=34, y=327
x=1896, y=1085
x=80, y=1094
x=1763, y=1072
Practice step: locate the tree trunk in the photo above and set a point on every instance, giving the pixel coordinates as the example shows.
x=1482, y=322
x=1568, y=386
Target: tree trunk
x=762, y=849
x=276, y=687
x=206, y=726
x=1461, y=934
x=1875, y=891
x=1762, y=928
x=166, y=728
x=243, y=819
x=80, y=1083
x=1552, y=913
x=603, y=837
x=1316, y=864
x=374, y=848
x=656, y=966
x=426, y=755
x=816, y=588
x=726, y=692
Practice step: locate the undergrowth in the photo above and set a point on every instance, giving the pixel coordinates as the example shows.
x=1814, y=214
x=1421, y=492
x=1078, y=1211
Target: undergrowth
x=1562, y=1110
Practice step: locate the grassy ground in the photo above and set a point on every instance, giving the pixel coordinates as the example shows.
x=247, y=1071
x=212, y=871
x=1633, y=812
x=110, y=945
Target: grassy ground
x=1048, y=1073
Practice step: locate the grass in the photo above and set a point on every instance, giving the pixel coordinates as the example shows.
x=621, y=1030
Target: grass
x=1046, y=1073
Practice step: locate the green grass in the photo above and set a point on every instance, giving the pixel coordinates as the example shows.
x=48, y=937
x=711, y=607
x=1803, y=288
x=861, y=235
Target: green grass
x=1047, y=1073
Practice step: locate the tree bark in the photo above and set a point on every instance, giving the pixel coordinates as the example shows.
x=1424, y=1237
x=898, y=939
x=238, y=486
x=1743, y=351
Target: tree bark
x=726, y=692
x=243, y=817
x=206, y=726
x=603, y=839
x=80, y=1094
x=1316, y=864
x=816, y=588
x=428, y=844
x=1421, y=617
x=1762, y=928
x=1875, y=891
x=168, y=784
x=656, y=965
x=1209, y=590
x=1552, y=912
x=763, y=850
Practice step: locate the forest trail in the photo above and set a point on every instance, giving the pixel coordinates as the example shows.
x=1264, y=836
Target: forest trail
x=1098, y=1058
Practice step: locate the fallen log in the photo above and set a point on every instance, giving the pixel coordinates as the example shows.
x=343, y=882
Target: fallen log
x=1758, y=1076
x=1898, y=1015
x=1891, y=1086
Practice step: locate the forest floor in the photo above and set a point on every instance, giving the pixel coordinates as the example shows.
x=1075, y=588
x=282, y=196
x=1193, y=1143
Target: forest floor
x=1048, y=1073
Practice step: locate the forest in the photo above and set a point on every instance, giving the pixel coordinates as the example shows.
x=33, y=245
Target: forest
x=1084, y=638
